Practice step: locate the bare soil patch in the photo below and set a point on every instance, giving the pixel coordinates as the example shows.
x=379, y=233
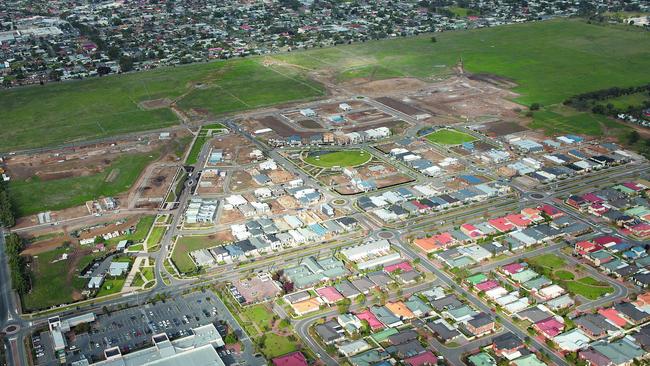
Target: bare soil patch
x=156, y=103
x=384, y=87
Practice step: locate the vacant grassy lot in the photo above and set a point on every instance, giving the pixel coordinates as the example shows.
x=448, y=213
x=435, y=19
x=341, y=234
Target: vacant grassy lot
x=564, y=275
x=184, y=246
x=50, y=286
x=561, y=119
x=69, y=192
x=550, y=60
x=111, y=286
x=339, y=158
x=550, y=261
x=108, y=106
x=449, y=137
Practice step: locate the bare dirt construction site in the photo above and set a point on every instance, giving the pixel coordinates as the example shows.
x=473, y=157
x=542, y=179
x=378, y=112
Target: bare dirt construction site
x=84, y=160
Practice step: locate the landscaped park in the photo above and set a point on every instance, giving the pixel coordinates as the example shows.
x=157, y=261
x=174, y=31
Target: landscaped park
x=573, y=278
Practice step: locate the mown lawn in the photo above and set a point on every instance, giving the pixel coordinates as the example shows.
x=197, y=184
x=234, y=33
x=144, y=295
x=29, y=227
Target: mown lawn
x=450, y=137
x=259, y=314
x=156, y=236
x=58, y=194
x=339, y=158
x=277, y=345
x=550, y=261
x=186, y=244
x=111, y=286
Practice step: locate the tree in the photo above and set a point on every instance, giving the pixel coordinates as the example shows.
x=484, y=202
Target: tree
x=434, y=40
x=114, y=53
x=126, y=63
x=535, y=106
x=6, y=211
x=633, y=137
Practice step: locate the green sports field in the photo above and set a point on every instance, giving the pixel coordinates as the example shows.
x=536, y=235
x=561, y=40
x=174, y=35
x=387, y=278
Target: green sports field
x=339, y=158
x=450, y=137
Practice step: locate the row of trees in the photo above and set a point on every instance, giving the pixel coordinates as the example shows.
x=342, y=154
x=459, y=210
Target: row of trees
x=20, y=278
x=589, y=100
x=6, y=211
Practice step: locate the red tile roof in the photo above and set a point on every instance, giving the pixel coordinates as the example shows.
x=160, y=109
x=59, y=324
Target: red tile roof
x=291, y=359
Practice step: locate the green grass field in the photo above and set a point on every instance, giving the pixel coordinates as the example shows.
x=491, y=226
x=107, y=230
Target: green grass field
x=49, y=282
x=588, y=288
x=340, y=158
x=141, y=231
x=564, y=275
x=550, y=261
x=107, y=106
x=550, y=61
x=450, y=137
x=624, y=101
x=186, y=244
x=561, y=119
x=156, y=235
x=68, y=192
x=277, y=345
x=111, y=286
x=259, y=314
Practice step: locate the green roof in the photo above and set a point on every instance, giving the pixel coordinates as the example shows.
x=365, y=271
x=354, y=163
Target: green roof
x=524, y=276
x=530, y=360
x=482, y=359
x=477, y=278
x=623, y=189
x=415, y=304
x=384, y=334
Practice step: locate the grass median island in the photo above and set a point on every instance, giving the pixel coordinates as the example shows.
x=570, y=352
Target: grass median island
x=156, y=235
x=450, y=137
x=344, y=158
x=58, y=194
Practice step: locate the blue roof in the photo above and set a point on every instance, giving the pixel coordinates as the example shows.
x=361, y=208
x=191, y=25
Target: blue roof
x=575, y=138
x=471, y=179
x=468, y=146
x=577, y=153
x=319, y=230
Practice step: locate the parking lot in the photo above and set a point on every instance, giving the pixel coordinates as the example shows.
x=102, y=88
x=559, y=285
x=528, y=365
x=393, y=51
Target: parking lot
x=131, y=329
